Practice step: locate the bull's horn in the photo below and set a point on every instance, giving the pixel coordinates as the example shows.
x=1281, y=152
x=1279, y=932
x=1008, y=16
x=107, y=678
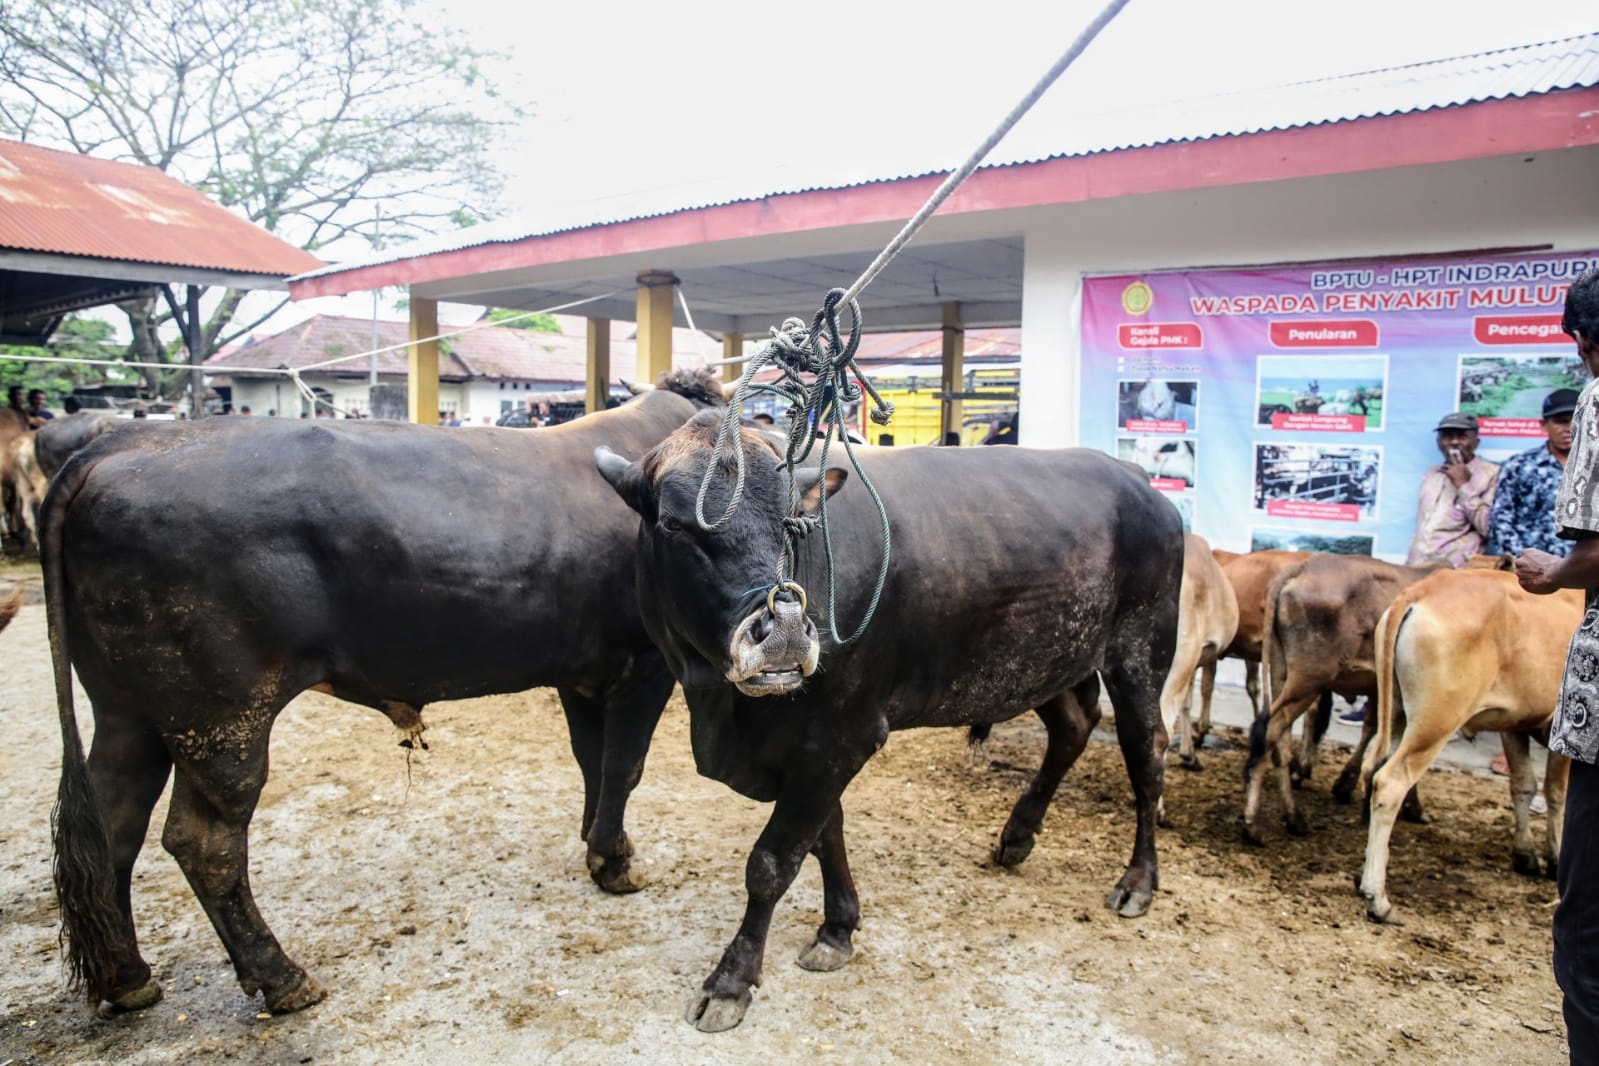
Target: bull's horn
x=635, y=388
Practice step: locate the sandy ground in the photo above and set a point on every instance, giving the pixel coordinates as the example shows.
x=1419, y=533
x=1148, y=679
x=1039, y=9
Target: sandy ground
x=443, y=901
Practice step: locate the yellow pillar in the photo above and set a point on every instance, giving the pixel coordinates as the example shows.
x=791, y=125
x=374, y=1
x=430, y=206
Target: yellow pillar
x=950, y=379
x=732, y=348
x=422, y=371
x=656, y=291
x=598, y=392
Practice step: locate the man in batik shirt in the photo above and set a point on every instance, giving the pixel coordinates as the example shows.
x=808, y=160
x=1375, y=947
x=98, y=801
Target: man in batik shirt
x=1523, y=514
x=1574, y=732
x=1452, y=519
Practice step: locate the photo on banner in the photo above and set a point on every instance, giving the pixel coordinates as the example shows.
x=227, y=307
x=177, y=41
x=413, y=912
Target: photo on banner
x=1310, y=392
x=1170, y=463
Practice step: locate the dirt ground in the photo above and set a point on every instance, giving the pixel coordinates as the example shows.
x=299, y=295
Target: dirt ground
x=443, y=901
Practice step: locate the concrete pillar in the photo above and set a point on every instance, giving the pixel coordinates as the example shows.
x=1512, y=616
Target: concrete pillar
x=951, y=379
x=598, y=389
x=1051, y=378
x=422, y=359
x=657, y=289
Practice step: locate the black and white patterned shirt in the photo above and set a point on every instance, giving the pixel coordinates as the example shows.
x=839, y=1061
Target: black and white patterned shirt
x=1575, y=729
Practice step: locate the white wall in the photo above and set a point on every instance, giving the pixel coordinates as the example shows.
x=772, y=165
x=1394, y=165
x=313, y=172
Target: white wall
x=1551, y=199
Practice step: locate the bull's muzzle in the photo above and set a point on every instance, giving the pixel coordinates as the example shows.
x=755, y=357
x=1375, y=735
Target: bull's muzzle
x=775, y=648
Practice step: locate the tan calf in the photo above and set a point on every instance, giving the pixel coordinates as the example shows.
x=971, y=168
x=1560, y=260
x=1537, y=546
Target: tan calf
x=1249, y=574
x=1467, y=649
x=25, y=485
x=1207, y=620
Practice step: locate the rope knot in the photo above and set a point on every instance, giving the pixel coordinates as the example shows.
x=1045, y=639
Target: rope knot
x=800, y=525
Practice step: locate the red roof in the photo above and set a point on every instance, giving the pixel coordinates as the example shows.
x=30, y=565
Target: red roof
x=67, y=204
x=495, y=352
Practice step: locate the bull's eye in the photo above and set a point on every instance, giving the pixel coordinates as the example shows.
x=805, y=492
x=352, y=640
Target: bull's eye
x=670, y=524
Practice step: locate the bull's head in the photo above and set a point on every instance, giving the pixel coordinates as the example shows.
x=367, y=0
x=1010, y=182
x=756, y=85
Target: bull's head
x=711, y=598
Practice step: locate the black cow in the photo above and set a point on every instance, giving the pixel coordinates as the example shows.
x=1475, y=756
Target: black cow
x=200, y=575
x=58, y=438
x=1019, y=578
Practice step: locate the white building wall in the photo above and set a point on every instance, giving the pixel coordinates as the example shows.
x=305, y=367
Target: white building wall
x=1545, y=201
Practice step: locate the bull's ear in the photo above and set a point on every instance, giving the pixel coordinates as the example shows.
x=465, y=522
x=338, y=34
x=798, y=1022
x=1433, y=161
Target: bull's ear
x=624, y=477
x=812, y=484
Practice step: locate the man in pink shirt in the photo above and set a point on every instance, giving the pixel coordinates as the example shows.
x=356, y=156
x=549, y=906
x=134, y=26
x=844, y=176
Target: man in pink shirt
x=1456, y=496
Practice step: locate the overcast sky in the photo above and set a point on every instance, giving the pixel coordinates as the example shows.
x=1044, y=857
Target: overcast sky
x=683, y=101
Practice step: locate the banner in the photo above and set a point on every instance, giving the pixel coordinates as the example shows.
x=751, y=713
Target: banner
x=1294, y=407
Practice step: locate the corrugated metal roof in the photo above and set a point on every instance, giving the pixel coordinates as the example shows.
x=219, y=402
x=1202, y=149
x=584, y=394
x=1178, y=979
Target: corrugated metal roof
x=1059, y=128
x=62, y=203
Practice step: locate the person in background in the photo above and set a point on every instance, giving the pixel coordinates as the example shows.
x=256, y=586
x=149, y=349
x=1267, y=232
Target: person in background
x=1452, y=519
x=1574, y=730
x=763, y=419
x=245, y=410
x=71, y=405
x=37, y=411
x=15, y=402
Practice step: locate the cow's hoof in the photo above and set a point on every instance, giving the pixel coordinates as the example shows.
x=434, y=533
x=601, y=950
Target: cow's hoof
x=1130, y=901
x=1296, y=825
x=1526, y=864
x=615, y=873
x=1412, y=813
x=146, y=995
x=824, y=956
x=1380, y=910
x=1009, y=853
x=1253, y=836
x=302, y=994
x=1343, y=792
x=1189, y=762
x=716, y=1014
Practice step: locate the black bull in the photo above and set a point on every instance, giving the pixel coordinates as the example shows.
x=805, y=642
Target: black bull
x=1019, y=579
x=199, y=576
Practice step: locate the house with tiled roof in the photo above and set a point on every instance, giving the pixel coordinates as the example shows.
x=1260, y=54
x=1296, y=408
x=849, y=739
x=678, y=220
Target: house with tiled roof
x=484, y=372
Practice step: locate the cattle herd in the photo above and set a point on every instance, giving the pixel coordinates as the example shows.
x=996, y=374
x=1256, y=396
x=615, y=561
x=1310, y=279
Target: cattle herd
x=251, y=560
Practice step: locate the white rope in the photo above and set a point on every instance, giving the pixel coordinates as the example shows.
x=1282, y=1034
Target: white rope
x=689, y=315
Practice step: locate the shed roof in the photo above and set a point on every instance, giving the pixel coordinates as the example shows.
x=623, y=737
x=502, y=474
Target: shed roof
x=1057, y=129
x=494, y=353
x=77, y=231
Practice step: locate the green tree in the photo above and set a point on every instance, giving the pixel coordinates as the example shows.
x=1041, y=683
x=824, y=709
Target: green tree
x=305, y=116
x=536, y=321
x=75, y=338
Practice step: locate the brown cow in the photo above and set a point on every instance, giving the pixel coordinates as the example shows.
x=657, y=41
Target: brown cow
x=1249, y=574
x=1207, y=619
x=1321, y=621
x=10, y=606
x=25, y=484
x=1465, y=649
x=13, y=424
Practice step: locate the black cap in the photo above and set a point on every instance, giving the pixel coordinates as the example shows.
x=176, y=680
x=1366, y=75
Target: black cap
x=1560, y=402
x=1457, y=420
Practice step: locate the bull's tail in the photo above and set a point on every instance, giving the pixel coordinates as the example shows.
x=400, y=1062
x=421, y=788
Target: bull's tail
x=92, y=935
x=10, y=606
x=1388, y=694
x=1271, y=653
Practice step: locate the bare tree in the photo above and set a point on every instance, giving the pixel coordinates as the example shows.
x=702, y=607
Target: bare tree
x=302, y=116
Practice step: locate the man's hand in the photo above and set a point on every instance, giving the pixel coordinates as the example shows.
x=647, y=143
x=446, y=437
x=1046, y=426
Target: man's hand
x=1456, y=469
x=1535, y=571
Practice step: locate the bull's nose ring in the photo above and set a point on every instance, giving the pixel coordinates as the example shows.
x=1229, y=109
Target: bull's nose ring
x=786, y=586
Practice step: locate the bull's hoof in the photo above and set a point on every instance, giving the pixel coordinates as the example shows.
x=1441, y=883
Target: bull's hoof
x=1380, y=910
x=1296, y=825
x=1526, y=864
x=146, y=995
x=824, y=956
x=1412, y=813
x=1011, y=853
x=1253, y=836
x=1130, y=901
x=1296, y=776
x=615, y=873
x=1189, y=762
x=716, y=1014
x=302, y=994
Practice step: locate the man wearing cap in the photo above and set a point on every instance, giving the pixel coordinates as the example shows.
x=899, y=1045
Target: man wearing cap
x=1574, y=730
x=1523, y=514
x=1452, y=520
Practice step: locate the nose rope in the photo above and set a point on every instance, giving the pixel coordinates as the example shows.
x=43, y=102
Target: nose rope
x=818, y=376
